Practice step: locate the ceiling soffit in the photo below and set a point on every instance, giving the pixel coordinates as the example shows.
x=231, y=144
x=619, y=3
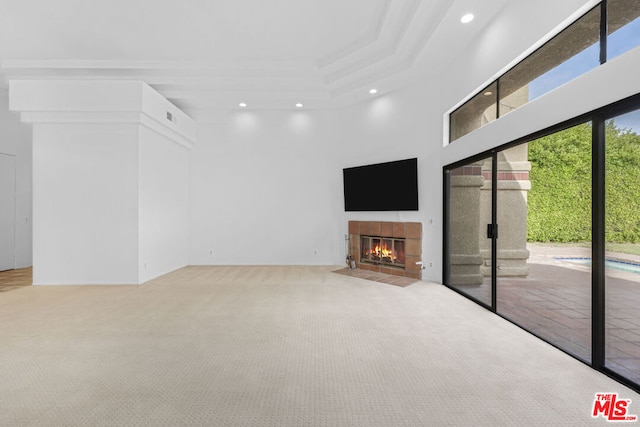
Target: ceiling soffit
x=389, y=43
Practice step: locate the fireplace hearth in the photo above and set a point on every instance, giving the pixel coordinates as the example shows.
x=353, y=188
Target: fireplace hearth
x=387, y=247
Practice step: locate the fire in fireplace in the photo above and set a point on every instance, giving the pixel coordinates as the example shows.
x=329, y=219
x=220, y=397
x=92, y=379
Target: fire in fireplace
x=382, y=250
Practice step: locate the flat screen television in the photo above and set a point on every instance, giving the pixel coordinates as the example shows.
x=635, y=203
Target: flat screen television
x=391, y=186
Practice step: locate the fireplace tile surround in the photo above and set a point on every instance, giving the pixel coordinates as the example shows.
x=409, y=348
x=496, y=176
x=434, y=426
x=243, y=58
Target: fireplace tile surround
x=410, y=231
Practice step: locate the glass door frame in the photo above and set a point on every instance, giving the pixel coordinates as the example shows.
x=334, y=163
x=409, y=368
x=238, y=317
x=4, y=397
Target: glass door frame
x=598, y=119
x=446, y=264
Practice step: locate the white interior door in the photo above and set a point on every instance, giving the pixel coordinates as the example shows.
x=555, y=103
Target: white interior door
x=7, y=211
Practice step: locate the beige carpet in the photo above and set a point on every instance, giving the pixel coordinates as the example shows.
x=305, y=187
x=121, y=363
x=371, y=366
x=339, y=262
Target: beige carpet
x=278, y=346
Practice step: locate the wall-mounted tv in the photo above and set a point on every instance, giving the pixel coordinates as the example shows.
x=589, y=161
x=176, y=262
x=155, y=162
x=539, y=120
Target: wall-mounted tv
x=391, y=186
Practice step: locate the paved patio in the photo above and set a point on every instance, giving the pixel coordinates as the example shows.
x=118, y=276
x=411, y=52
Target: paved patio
x=554, y=302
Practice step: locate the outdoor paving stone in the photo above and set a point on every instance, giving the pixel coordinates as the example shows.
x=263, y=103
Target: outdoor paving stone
x=631, y=335
x=574, y=314
x=619, y=323
x=630, y=349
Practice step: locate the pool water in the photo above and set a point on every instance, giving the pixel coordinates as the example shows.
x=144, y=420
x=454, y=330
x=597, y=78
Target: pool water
x=614, y=264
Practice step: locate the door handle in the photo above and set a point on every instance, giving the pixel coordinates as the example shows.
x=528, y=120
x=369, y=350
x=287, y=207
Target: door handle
x=492, y=231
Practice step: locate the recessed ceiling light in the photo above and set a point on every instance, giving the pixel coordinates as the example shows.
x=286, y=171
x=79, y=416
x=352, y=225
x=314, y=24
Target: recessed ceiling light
x=373, y=91
x=299, y=105
x=467, y=18
x=242, y=105
x=487, y=93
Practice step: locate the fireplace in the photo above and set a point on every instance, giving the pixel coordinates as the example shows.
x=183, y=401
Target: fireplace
x=381, y=250
x=387, y=247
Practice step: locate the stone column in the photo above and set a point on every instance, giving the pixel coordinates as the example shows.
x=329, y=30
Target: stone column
x=513, y=185
x=464, y=241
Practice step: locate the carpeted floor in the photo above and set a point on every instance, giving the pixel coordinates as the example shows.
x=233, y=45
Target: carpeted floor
x=279, y=346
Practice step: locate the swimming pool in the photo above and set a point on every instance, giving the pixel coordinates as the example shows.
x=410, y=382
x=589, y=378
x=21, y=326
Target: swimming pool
x=615, y=264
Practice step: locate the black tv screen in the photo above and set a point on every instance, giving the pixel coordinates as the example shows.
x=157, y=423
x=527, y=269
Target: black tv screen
x=391, y=186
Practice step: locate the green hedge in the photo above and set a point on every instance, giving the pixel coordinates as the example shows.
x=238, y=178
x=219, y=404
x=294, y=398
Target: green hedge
x=560, y=198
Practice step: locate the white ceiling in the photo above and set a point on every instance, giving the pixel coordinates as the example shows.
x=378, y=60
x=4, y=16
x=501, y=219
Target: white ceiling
x=212, y=54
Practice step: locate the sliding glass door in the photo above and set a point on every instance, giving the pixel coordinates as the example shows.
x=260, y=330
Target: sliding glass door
x=469, y=211
x=545, y=232
x=622, y=237
x=544, y=246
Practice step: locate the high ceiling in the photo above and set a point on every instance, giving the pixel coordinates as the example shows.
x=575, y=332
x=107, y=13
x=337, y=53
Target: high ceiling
x=213, y=54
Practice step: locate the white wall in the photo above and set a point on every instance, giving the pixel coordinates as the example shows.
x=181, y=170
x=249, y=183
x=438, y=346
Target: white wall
x=15, y=139
x=85, y=203
x=163, y=205
x=110, y=173
x=263, y=189
x=518, y=29
x=396, y=126
x=613, y=81
x=250, y=173
x=111, y=204
x=266, y=187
